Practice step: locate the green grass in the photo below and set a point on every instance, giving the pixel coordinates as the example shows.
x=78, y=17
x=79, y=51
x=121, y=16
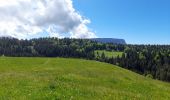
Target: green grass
x=74, y=79
x=109, y=53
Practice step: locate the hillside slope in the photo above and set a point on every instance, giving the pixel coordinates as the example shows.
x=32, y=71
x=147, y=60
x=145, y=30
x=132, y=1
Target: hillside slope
x=74, y=79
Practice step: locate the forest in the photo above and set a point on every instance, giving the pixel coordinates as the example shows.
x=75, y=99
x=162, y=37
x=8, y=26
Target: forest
x=150, y=60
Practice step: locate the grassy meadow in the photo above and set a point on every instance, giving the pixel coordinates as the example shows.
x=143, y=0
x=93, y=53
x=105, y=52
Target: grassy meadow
x=109, y=54
x=74, y=79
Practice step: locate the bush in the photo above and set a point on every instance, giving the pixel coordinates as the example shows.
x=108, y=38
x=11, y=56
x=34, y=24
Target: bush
x=149, y=76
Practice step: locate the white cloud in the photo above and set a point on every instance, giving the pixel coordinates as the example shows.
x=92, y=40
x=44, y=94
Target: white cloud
x=27, y=18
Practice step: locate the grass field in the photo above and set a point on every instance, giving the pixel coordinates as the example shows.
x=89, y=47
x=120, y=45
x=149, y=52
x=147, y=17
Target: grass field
x=74, y=79
x=109, y=53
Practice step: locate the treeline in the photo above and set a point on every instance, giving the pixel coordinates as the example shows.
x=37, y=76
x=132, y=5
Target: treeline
x=149, y=60
x=53, y=47
x=46, y=47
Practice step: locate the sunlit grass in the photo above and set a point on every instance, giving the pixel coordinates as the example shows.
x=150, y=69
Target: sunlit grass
x=109, y=53
x=74, y=79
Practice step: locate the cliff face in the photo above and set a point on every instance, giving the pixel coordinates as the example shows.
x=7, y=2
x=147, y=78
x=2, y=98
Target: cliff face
x=109, y=40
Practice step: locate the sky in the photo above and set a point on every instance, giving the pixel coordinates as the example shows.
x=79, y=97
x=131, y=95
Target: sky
x=136, y=21
x=25, y=19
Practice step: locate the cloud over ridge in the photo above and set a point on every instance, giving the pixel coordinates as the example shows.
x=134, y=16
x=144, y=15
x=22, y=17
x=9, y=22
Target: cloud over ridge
x=29, y=18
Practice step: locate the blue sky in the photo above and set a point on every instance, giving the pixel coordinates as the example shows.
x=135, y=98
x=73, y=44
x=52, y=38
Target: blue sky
x=136, y=21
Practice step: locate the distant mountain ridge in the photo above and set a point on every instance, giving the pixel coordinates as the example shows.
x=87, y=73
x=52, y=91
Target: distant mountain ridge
x=101, y=40
x=109, y=40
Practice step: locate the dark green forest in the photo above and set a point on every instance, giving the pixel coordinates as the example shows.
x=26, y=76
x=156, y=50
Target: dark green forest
x=150, y=60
